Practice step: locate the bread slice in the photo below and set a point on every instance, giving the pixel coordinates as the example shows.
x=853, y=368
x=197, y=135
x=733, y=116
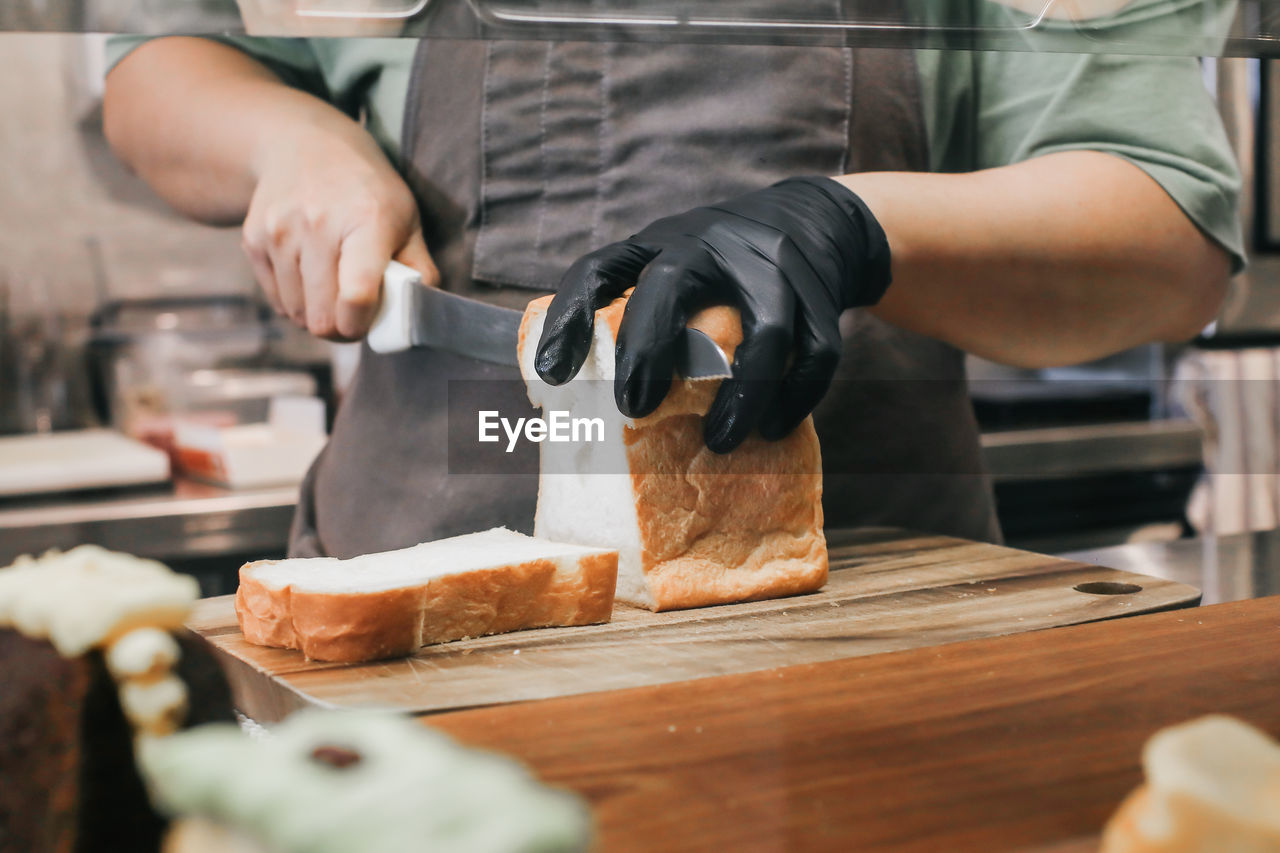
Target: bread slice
x=691, y=527
x=392, y=603
x=1213, y=784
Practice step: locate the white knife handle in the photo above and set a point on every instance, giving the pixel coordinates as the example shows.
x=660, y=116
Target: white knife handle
x=392, y=329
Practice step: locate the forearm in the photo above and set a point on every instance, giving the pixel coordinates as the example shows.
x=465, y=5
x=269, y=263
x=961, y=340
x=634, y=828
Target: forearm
x=1056, y=260
x=226, y=141
x=197, y=119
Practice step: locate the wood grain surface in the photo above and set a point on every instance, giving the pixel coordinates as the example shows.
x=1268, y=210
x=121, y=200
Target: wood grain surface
x=1089, y=844
x=1009, y=743
x=889, y=590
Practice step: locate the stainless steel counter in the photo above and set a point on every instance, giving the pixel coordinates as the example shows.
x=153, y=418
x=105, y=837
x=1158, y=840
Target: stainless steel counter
x=1226, y=568
x=196, y=521
x=1073, y=451
x=190, y=521
x=201, y=522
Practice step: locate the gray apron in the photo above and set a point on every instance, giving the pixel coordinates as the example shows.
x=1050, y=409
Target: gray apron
x=526, y=155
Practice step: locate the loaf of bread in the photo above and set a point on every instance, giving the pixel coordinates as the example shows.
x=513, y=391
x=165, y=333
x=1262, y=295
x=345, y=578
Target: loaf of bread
x=392, y=603
x=1212, y=784
x=691, y=527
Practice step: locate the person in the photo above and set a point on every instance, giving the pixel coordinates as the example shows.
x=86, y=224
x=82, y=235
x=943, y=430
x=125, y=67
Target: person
x=876, y=213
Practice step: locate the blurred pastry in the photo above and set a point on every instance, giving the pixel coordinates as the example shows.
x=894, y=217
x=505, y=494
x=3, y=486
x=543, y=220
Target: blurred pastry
x=332, y=782
x=92, y=655
x=1212, y=785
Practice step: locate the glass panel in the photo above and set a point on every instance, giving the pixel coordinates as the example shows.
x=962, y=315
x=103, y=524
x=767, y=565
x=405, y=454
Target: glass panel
x=1199, y=27
x=1195, y=27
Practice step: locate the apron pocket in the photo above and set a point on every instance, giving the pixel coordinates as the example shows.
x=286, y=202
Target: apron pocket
x=541, y=132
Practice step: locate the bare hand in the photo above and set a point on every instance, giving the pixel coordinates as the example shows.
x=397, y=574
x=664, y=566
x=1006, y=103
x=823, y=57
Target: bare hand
x=327, y=215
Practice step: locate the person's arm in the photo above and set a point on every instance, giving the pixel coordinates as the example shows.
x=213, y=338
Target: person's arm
x=1056, y=260
x=1077, y=204
x=225, y=140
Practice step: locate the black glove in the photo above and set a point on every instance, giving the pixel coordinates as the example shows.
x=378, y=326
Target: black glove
x=790, y=257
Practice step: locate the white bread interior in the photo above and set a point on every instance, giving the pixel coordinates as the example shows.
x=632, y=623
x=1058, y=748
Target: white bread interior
x=392, y=603
x=692, y=528
x=1212, y=784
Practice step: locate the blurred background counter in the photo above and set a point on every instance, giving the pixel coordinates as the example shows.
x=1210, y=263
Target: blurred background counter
x=205, y=530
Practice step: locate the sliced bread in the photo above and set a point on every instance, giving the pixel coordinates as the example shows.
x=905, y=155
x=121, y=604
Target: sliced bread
x=1212, y=785
x=390, y=604
x=691, y=527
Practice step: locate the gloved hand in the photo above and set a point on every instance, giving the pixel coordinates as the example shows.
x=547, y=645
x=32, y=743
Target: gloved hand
x=790, y=257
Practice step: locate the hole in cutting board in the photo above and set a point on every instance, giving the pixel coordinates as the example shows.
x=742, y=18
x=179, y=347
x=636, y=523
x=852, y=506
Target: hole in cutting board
x=1107, y=588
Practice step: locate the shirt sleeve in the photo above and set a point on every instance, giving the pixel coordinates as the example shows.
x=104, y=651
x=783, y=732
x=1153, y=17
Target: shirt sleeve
x=290, y=59
x=1153, y=111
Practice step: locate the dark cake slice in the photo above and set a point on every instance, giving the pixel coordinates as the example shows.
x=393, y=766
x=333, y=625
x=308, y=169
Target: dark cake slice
x=68, y=778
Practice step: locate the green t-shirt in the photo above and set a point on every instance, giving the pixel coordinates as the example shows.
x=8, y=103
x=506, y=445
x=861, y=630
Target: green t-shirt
x=982, y=109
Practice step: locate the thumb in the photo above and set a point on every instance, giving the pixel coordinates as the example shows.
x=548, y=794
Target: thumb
x=362, y=262
x=415, y=255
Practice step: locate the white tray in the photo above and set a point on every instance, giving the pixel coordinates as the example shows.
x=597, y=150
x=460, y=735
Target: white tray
x=76, y=460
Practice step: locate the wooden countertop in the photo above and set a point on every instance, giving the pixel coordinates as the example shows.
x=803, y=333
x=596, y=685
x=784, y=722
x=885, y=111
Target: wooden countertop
x=994, y=744
x=889, y=590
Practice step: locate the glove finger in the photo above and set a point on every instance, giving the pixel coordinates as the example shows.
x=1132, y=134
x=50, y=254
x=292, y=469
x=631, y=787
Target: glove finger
x=817, y=352
x=593, y=281
x=768, y=324
x=806, y=383
x=653, y=325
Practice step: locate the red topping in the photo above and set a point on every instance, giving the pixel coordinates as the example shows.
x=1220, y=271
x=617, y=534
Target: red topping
x=335, y=756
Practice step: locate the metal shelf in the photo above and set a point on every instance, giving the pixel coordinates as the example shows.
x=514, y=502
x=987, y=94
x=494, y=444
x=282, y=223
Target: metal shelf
x=191, y=521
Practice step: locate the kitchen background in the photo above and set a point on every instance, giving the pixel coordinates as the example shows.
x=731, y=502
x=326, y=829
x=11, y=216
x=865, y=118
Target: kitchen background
x=114, y=311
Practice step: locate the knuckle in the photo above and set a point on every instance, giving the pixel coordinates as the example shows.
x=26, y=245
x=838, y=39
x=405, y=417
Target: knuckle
x=374, y=212
x=253, y=238
x=315, y=216
x=667, y=268
x=277, y=230
x=602, y=257
x=586, y=267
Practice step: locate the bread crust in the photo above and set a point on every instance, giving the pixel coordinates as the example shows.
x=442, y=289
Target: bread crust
x=716, y=529
x=1195, y=827
x=353, y=627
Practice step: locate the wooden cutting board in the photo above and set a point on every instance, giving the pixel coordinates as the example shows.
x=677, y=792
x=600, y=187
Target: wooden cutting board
x=889, y=590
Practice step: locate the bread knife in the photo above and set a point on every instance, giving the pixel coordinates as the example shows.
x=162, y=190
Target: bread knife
x=414, y=315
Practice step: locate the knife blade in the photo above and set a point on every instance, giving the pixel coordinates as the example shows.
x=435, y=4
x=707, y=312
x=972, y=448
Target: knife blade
x=414, y=315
